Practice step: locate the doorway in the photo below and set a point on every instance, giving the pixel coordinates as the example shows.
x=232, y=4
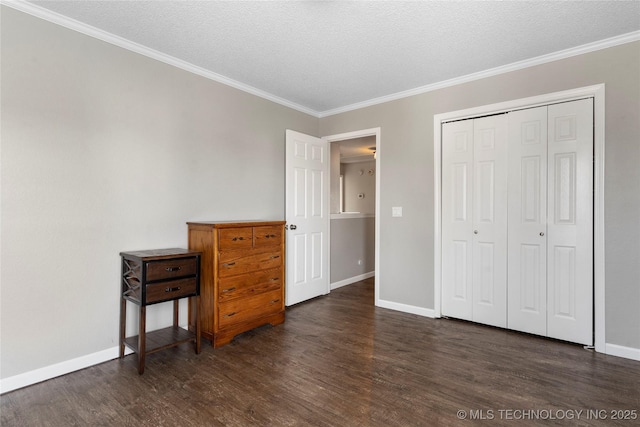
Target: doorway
x=372, y=135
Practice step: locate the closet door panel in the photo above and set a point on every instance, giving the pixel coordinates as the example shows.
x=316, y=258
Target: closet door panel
x=490, y=220
x=570, y=222
x=527, y=217
x=457, y=169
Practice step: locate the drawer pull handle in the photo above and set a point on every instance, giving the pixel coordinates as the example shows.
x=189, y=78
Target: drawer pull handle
x=275, y=256
x=273, y=301
x=270, y=236
x=237, y=238
x=230, y=314
x=229, y=290
x=229, y=264
x=273, y=279
x=177, y=288
x=173, y=268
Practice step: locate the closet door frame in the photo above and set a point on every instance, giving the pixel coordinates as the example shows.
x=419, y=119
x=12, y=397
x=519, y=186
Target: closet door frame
x=597, y=92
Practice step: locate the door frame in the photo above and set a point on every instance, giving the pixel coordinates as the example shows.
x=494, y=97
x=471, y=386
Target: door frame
x=597, y=92
x=359, y=134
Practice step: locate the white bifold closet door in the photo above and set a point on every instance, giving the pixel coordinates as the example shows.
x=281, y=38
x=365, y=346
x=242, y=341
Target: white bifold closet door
x=457, y=226
x=517, y=220
x=551, y=221
x=528, y=221
x=474, y=220
x=570, y=222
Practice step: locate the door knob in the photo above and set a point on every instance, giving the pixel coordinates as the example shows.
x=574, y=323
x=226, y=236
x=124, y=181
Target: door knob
x=542, y=233
x=475, y=231
x=293, y=227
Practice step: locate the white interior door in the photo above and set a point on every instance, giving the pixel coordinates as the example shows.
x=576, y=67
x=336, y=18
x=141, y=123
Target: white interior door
x=570, y=222
x=489, y=258
x=307, y=216
x=457, y=221
x=527, y=265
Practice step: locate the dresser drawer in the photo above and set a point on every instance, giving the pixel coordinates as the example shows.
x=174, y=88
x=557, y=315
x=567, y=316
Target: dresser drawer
x=267, y=235
x=165, y=291
x=232, y=264
x=169, y=269
x=249, y=284
x=235, y=238
x=240, y=310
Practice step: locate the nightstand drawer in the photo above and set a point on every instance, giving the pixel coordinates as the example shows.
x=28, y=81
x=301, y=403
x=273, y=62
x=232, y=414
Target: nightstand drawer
x=166, y=291
x=169, y=269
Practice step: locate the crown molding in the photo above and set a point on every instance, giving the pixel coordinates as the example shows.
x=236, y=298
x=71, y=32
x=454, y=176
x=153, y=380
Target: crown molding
x=563, y=54
x=80, y=27
x=113, y=39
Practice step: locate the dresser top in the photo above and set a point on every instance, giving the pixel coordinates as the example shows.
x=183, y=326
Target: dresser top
x=231, y=224
x=155, y=254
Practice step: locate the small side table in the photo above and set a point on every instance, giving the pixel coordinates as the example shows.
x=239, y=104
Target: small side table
x=154, y=276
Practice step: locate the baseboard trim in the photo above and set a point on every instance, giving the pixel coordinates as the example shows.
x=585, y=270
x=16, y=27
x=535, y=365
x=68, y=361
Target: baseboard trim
x=351, y=280
x=405, y=308
x=58, y=369
x=621, y=351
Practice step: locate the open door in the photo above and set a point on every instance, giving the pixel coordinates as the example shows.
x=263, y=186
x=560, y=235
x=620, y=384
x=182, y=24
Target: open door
x=307, y=216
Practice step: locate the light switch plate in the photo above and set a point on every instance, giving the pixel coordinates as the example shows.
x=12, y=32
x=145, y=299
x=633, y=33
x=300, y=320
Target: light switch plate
x=396, y=211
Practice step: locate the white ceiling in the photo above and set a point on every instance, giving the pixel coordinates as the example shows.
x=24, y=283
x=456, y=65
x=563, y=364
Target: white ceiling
x=323, y=57
x=357, y=149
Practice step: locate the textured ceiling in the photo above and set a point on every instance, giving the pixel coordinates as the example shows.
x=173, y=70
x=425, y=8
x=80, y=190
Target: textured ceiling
x=324, y=55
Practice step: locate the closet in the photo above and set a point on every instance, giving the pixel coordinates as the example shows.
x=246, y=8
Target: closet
x=517, y=220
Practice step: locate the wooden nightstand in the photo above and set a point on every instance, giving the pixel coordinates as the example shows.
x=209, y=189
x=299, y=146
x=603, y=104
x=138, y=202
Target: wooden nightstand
x=154, y=276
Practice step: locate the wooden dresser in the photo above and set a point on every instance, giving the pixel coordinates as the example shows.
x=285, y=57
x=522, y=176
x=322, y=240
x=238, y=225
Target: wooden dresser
x=242, y=276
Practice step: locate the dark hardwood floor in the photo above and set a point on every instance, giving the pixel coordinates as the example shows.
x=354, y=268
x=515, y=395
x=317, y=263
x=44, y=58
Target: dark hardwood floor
x=340, y=361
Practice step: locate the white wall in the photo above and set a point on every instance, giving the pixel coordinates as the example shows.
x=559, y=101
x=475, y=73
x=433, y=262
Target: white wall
x=353, y=241
x=406, y=159
x=359, y=178
x=103, y=151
